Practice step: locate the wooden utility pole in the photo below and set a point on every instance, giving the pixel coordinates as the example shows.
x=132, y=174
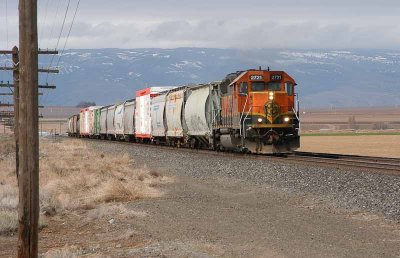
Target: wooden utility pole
x=15, y=59
x=28, y=135
x=26, y=122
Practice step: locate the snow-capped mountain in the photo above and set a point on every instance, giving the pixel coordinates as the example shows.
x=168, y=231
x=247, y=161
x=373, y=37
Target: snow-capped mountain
x=324, y=77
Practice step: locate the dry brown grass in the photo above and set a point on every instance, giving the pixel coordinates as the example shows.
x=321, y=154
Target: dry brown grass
x=8, y=190
x=7, y=146
x=8, y=221
x=65, y=252
x=74, y=177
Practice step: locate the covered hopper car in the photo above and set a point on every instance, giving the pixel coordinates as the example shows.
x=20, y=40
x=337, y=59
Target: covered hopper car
x=249, y=111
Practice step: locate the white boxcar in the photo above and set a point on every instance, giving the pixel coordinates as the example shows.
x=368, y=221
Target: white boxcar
x=84, y=122
x=173, y=113
x=73, y=125
x=157, y=116
x=92, y=119
x=143, y=110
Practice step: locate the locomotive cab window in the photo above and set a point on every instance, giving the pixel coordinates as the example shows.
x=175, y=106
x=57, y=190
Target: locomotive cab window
x=243, y=88
x=274, y=86
x=289, y=88
x=257, y=86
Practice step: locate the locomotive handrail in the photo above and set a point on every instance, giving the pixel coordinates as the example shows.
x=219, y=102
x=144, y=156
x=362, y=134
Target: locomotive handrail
x=241, y=116
x=244, y=120
x=298, y=119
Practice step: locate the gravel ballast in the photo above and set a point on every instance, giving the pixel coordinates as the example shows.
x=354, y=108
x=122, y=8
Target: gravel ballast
x=360, y=190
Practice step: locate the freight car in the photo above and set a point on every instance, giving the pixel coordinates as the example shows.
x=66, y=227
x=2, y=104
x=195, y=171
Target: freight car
x=73, y=126
x=250, y=111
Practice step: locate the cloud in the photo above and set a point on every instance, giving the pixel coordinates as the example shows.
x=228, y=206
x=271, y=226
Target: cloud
x=223, y=24
x=231, y=34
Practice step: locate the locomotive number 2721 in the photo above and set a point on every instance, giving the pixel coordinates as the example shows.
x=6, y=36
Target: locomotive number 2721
x=276, y=77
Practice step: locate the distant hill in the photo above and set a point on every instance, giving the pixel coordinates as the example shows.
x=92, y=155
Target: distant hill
x=325, y=77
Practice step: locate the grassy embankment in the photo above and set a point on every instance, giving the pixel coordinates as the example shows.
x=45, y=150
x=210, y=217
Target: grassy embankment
x=75, y=180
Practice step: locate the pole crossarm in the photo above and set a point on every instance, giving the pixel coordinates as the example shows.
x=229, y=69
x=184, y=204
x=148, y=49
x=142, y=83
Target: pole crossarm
x=48, y=70
x=12, y=94
x=6, y=105
x=40, y=70
x=7, y=68
x=40, y=52
x=6, y=52
x=8, y=114
x=12, y=105
x=10, y=85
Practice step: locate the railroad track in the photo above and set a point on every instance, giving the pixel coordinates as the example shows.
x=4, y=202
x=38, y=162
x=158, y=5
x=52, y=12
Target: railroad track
x=365, y=163
x=382, y=164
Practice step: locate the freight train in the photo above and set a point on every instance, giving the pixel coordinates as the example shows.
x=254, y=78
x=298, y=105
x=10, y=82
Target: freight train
x=253, y=111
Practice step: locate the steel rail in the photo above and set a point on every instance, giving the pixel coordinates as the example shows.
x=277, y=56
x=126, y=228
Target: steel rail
x=347, y=156
x=360, y=163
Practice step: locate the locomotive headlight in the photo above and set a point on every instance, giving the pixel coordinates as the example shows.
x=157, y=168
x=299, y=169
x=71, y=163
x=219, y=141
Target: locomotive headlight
x=271, y=96
x=286, y=119
x=260, y=120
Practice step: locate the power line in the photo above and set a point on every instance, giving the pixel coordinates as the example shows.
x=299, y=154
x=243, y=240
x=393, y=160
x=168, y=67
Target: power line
x=43, y=22
x=62, y=26
x=44, y=97
x=68, y=35
x=69, y=32
x=58, y=41
x=54, y=20
x=7, y=22
x=59, y=36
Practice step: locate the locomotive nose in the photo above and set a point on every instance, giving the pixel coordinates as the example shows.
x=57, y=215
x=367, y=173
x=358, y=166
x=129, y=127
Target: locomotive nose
x=272, y=110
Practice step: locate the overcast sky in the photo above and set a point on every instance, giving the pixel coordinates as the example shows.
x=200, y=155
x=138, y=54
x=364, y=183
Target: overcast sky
x=305, y=24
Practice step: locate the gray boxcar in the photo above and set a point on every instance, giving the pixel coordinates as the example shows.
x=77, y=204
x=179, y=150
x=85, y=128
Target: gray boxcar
x=110, y=121
x=119, y=120
x=103, y=122
x=129, y=119
x=124, y=120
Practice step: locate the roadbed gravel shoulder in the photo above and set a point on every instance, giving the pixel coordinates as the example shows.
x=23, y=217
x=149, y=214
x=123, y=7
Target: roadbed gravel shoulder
x=233, y=207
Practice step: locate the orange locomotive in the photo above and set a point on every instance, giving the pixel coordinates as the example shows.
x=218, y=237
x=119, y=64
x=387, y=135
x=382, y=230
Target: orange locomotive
x=259, y=113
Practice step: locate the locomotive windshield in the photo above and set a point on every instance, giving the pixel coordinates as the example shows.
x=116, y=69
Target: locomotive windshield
x=257, y=86
x=274, y=86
